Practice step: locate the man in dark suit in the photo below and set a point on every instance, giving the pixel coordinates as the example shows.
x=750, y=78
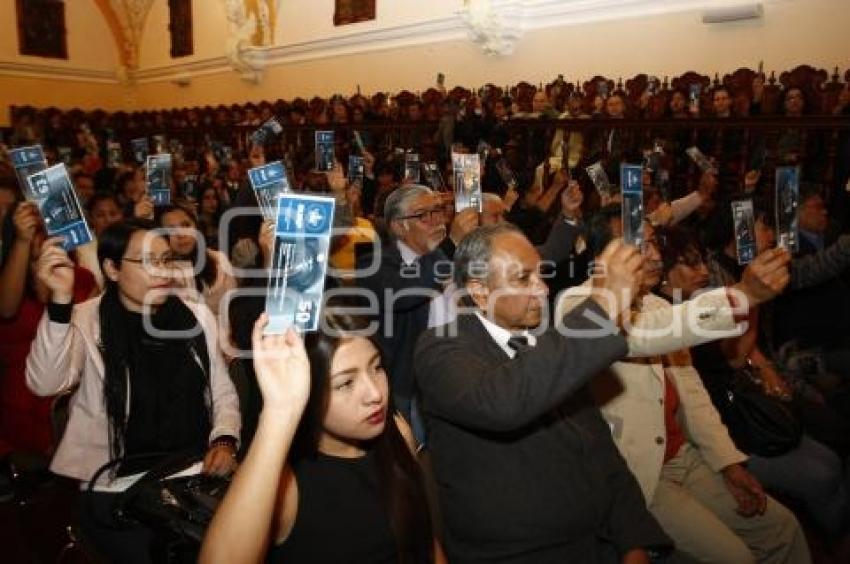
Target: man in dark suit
x=525, y=466
x=407, y=277
x=798, y=313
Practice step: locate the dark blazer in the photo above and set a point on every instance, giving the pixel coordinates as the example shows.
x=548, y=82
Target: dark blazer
x=525, y=466
x=797, y=311
x=403, y=314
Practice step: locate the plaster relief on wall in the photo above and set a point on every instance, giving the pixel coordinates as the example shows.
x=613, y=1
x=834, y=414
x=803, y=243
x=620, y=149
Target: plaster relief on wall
x=250, y=25
x=495, y=26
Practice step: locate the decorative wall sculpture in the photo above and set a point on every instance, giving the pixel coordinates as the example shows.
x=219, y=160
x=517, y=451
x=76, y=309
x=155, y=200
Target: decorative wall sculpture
x=41, y=28
x=496, y=30
x=250, y=25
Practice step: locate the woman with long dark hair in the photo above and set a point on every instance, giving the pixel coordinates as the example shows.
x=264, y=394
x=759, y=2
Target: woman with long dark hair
x=148, y=375
x=211, y=274
x=330, y=475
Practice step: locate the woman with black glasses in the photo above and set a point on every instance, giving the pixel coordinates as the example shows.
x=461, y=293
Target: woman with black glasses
x=148, y=373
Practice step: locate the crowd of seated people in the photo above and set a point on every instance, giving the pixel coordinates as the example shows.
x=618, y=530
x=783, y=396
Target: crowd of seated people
x=533, y=389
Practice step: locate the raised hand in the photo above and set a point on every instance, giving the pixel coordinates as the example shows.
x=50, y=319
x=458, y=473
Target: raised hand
x=283, y=370
x=56, y=271
x=257, y=156
x=336, y=178
x=707, y=185
x=462, y=224
x=766, y=277
x=751, y=180
x=26, y=220
x=266, y=240
x=143, y=209
x=616, y=278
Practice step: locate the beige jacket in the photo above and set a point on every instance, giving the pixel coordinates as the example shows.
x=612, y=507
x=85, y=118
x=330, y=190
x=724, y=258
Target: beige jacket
x=631, y=394
x=64, y=355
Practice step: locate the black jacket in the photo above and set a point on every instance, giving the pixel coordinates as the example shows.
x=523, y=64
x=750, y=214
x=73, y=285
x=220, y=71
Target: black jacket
x=526, y=468
x=404, y=295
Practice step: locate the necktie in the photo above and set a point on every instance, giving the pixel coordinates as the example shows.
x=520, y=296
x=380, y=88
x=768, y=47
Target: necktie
x=519, y=344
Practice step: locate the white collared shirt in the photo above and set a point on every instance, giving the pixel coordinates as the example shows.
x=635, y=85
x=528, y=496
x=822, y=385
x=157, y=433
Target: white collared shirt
x=436, y=311
x=408, y=255
x=502, y=335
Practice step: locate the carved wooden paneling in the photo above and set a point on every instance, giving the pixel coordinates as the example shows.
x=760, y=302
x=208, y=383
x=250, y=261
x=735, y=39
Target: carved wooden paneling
x=592, y=87
x=808, y=79
x=459, y=93
x=523, y=93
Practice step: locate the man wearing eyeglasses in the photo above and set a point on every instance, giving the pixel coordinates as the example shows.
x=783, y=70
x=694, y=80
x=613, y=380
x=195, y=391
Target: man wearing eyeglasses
x=412, y=268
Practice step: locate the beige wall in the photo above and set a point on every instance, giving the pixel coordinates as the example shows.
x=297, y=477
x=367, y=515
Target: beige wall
x=307, y=20
x=91, y=48
x=90, y=42
x=791, y=33
x=298, y=21
x=209, y=31
x=44, y=93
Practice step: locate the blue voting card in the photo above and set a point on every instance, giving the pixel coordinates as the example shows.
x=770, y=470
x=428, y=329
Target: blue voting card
x=324, y=151
x=267, y=132
x=52, y=191
x=787, y=203
x=158, y=177
x=299, y=263
x=631, y=186
x=467, y=177
x=411, y=167
x=744, y=224
x=599, y=178
x=269, y=182
x=27, y=161
x=140, y=149
x=356, y=169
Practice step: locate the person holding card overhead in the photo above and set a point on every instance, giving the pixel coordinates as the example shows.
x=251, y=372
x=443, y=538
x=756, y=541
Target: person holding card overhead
x=690, y=471
x=147, y=381
x=25, y=425
x=406, y=277
x=331, y=475
x=803, y=311
x=525, y=466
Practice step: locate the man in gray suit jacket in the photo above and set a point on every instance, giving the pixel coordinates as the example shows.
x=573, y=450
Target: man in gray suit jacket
x=526, y=468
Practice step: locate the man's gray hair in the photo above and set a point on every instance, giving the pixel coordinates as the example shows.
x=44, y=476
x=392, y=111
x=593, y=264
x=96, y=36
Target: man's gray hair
x=398, y=202
x=472, y=256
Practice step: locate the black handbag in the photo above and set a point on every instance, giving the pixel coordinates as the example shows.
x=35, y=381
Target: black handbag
x=758, y=423
x=178, y=510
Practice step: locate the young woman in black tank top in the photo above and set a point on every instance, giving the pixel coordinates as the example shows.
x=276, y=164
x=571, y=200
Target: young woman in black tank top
x=330, y=475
